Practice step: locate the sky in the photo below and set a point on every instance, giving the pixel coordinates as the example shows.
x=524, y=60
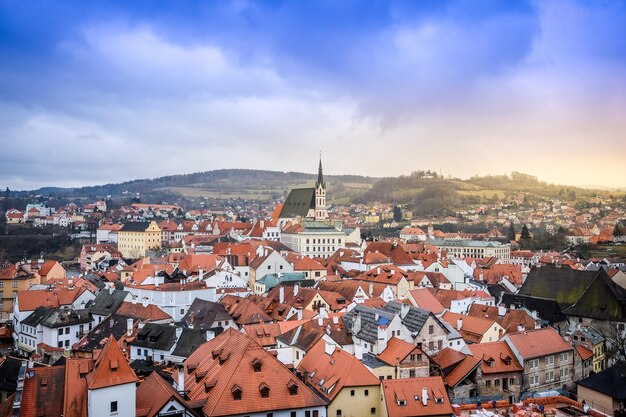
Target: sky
x=100, y=92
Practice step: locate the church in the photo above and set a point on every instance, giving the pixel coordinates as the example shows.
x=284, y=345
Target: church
x=306, y=203
x=305, y=224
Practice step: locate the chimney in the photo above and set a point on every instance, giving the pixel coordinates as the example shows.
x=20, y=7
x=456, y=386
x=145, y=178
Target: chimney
x=459, y=324
x=371, y=290
x=320, y=320
x=181, y=378
x=521, y=328
x=299, y=314
x=424, y=397
x=323, y=312
x=378, y=271
x=111, y=322
x=200, y=274
x=179, y=331
x=281, y=294
x=210, y=334
x=129, y=326
x=111, y=289
x=335, y=320
x=358, y=351
x=329, y=348
x=296, y=289
x=404, y=310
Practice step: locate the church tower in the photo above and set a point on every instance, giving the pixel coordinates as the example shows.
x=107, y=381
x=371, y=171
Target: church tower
x=321, y=213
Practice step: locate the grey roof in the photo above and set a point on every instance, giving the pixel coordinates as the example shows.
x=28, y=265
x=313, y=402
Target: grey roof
x=188, y=342
x=611, y=382
x=107, y=302
x=156, y=336
x=547, y=308
x=371, y=318
x=135, y=227
x=202, y=314
x=415, y=317
x=272, y=280
x=9, y=373
x=114, y=325
x=37, y=316
x=298, y=203
x=372, y=361
x=61, y=317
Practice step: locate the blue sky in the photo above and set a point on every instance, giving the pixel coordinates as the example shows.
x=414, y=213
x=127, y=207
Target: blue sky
x=96, y=92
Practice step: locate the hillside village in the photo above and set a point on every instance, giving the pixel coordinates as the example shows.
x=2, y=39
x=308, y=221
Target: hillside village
x=293, y=309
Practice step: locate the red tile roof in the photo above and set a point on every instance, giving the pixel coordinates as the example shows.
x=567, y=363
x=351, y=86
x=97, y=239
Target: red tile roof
x=396, y=351
x=43, y=392
x=425, y=300
x=540, y=342
x=144, y=313
x=410, y=393
x=154, y=393
x=496, y=357
x=329, y=374
x=111, y=368
x=75, y=402
x=225, y=365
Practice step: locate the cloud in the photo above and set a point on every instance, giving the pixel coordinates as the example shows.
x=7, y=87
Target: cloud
x=118, y=93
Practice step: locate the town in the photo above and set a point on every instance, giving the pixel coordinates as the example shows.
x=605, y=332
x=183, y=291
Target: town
x=296, y=306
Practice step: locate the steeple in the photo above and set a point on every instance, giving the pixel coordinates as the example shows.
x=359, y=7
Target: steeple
x=320, y=175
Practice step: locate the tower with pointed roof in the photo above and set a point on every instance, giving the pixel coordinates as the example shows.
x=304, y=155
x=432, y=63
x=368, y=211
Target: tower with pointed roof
x=321, y=214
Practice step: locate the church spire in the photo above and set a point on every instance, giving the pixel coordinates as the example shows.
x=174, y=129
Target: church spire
x=320, y=175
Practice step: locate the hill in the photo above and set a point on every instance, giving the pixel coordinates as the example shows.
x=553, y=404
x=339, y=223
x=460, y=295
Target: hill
x=428, y=193
x=221, y=184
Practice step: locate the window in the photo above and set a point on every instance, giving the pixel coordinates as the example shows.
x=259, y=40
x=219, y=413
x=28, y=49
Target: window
x=431, y=329
x=270, y=414
x=563, y=357
x=373, y=410
x=533, y=363
x=67, y=330
x=67, y=343
x=440, y=345
x=431, y=346
x=60, y=332
x=14, y=284
x=512, y=380
x=534, y=379
x=293, y=414
x=549, y=360
x=352, y=393
x=367, y=393
x=488, y=383
x=113, y=407
x=549, y=376
x=496, y=383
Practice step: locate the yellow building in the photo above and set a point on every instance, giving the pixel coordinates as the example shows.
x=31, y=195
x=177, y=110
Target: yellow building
x=14, y=278
x=349, y=387
x=135, y=238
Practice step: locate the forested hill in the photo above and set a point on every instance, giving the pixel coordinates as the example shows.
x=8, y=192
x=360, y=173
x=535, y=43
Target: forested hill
x=223, y=183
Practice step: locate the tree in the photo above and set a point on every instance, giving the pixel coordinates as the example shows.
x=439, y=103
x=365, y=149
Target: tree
x=617, y=230
x=7, y=193
x=525, y=233
x=397, y=213
x=511, y=234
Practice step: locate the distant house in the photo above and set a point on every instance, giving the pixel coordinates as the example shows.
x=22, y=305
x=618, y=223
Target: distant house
x=135, y=238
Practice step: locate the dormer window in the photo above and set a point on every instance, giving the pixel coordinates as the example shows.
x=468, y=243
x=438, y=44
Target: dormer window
x=293, y=387
x=264, y=389
x=257, y=364
x=114, y=365
x=208, y=385
x=191, y=367
x=236, y=391
x=224, y=357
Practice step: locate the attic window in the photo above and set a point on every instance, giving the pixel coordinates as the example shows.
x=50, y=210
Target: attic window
x=491, y=363
x=44, y=382
x=401, y=402
x=215, y=353
x=208, y=385
x=200, y=375
x=224, y=357
x=191, y=367
x=257, y=364
x=507, y=360
x=265, y=390
x=114, y=365
x=293, y=387
x=236, y=391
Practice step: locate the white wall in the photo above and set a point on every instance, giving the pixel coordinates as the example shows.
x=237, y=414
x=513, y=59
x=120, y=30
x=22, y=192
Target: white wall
x=99, y=401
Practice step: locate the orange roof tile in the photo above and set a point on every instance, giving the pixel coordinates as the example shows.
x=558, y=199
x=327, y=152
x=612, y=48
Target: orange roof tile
x=396, y=351
x=496, y=357
x=540, y=342
x=329, y=374
x=425, y=300
x=410, y=391
x=111, y=368
x=225, y=365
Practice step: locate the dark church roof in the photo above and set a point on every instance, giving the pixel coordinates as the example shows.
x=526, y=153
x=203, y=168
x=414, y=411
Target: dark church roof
x=299, y=202
x=590, y=294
